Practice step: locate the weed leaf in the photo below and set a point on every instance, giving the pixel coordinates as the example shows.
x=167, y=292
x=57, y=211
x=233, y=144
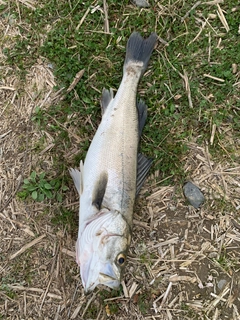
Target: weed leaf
x=47, y=186
x=34, y=195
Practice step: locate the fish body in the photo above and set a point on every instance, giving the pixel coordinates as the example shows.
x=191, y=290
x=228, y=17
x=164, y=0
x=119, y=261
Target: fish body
x=110, y=177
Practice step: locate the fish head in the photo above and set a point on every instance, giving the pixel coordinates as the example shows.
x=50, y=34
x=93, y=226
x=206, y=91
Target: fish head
x=102, y=250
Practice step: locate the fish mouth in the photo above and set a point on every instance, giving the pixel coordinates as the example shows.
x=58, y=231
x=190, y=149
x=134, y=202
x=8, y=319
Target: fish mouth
x=101, y=274
x=109, y=281
x=105, y=280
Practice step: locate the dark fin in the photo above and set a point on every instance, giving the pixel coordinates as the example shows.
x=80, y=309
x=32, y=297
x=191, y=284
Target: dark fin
x=99, y=190
x=140, y=49
x=142, y=115
x=143, y=167
x=107, y=97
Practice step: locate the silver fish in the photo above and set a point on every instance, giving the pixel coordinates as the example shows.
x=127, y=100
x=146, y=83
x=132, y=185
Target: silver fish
x=112, y=175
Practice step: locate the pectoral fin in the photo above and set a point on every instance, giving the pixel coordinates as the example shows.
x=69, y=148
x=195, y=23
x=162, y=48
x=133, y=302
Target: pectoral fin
x=99, y=190
x=143, y=167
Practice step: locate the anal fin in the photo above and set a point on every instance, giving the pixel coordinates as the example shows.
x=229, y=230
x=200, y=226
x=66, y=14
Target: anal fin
x=142, y=115
x=107, y=97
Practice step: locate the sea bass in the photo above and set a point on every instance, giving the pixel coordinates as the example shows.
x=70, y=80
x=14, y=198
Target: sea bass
x=112, y=175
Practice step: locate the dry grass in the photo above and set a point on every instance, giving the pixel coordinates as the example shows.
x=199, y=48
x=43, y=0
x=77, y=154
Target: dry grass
x=183, y=263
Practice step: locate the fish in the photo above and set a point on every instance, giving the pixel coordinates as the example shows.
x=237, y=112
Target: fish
x=112, y=174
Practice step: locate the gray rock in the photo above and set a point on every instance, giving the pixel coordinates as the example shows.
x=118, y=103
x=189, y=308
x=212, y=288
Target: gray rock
x=221, y=284
x=141, y=3
x=193, y=194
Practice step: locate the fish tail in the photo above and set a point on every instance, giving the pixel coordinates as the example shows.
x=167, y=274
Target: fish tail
x=139, y=51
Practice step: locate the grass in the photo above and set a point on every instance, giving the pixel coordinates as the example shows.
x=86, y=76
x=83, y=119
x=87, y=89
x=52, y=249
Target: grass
x=5, y=287
x=70, y=49
x=65, y=218
x=52, y=35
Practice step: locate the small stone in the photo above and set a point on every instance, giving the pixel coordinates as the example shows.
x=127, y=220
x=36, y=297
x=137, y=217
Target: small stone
x=221, y=284
x=212, y=255
x=141, y=3
x=193, y=194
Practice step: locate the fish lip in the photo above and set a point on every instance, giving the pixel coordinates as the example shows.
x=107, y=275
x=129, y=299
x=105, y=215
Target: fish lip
x=103, y=279
x=107, y=280
x=106, y=276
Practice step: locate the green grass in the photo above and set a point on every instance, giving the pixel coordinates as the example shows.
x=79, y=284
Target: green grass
x=56, y=37
x=170, y=121
x=4, y=286
x=65, y=217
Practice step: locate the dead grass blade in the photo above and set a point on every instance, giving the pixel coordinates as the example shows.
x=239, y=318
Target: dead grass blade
x=106, y=22
x=76, y=80
x=27, y=246
x=190, y=10
x=222, y=18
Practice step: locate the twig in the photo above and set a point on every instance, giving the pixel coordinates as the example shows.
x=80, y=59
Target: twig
x=213, y=134
x=83, y=18
x=200, y=31
x=7, y=88
x=89, y=302
x=187, y=87
x=166, y=294
x=184, y=76
x=27, y=246
x=217, y=300
x=209, y=47
x=5, y=134
x=189, y=11
x=46, y=292
x=211, y=3
x=34, y=290
x=73, y=298
x=214, y=78
x=28, y=3
x=76, y=80
x=68, y=252
x=106, y=22
x=222, y=18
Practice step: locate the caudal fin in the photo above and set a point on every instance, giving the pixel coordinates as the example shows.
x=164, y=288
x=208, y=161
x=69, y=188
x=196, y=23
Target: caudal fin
x=139, y=50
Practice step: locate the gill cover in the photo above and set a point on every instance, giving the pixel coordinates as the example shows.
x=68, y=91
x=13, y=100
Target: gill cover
x=102, y=248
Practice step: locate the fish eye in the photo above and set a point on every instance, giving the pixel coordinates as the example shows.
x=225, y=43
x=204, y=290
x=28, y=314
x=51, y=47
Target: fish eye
x=121, y=258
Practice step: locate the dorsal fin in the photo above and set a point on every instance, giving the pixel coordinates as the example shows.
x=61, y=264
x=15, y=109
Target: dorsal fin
x=81, y=177
x=99, y=190
x=142, y=115
x=143, y=167
x=77, y=177
x=107, y=97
